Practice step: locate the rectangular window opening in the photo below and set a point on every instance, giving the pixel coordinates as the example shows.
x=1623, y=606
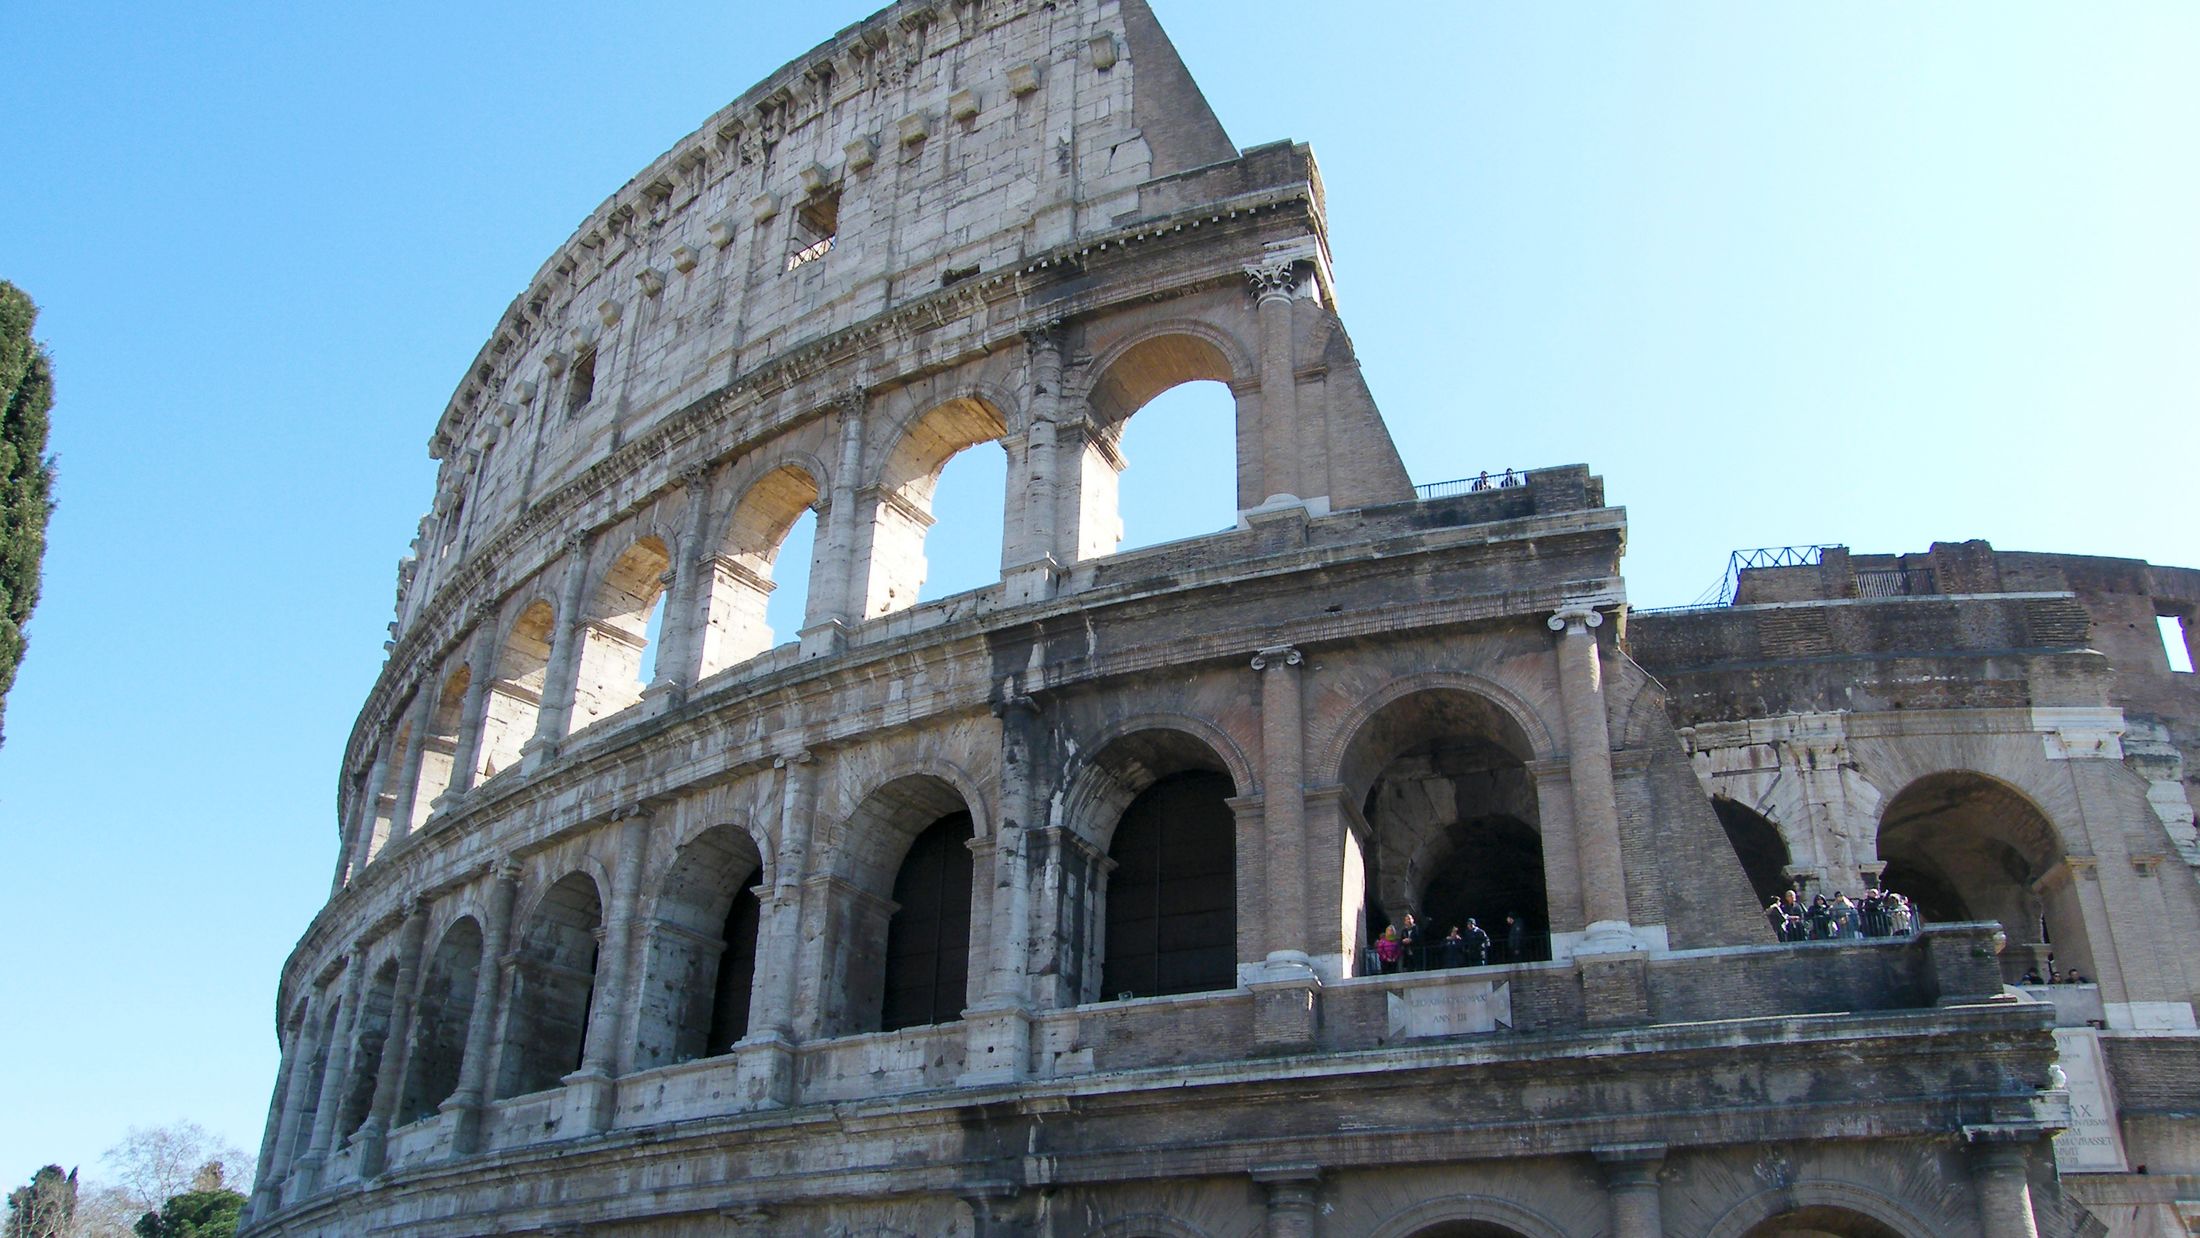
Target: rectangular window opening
x=2173, y=643
x=816, y=225
x=583, y=387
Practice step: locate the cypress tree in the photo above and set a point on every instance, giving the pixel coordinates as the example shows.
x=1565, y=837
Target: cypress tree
x=26, y=476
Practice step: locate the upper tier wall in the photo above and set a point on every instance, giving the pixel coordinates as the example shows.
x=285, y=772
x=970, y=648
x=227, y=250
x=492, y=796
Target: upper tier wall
x=936, y=141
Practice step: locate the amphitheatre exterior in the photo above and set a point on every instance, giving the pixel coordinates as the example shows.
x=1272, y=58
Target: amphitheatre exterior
x=1045, y=909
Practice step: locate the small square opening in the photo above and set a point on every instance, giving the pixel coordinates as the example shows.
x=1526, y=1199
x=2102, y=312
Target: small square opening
x=816, y=225
x=582, y=388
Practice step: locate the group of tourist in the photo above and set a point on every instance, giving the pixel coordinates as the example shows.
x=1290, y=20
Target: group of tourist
x=1402, y=946
x=1875, y=913
x=2053, y=976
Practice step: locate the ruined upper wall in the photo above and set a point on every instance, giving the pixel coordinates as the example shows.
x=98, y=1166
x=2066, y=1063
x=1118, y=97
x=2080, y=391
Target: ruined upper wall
x=935, y=142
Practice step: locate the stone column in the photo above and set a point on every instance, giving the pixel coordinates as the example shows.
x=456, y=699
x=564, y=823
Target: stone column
x=490, y=980
x=766, y=1067
x=370, y=810
x=591, y=1090
x=1998, y=1159
x=374, y=1134
x=1287, y=888
x=408, y=776
x=278, y=1104
x=1291, y=1203
x=333, y=1075
x=687, y=614
x=1596, y=815
x=1032, y=562
x=1631, y=1185
x=294, y=1093
x=561, y=675
x=473, y=714
x=998, y=1031
x=1274, y=286
x=835, y=603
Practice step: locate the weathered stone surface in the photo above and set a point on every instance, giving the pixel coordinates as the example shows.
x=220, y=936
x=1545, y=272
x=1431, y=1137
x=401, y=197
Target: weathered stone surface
x=1050, y=908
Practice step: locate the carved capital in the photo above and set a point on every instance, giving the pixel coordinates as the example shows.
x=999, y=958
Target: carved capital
x=1574, y=618
x=1278, y=280
x=802, y=757
x=1278, y=656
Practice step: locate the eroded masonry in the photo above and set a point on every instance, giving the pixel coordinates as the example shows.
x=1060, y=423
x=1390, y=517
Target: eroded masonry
x=1052, y=908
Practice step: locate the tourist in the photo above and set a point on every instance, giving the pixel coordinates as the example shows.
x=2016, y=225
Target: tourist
x=1387, y=950
x=1516, y=940
x=1454, y=948
x=1478, y=944
x=1409, y=942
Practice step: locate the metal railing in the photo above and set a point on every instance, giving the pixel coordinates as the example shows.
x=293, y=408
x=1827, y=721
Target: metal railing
x=809, y=253
x=1510, y=479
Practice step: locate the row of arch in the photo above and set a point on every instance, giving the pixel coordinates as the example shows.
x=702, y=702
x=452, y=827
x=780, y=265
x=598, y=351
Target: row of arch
x=686, y=593
x=1960, y=845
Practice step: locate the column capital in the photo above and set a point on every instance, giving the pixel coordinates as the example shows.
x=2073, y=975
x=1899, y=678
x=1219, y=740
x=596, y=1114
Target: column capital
x=1044, y=334
x=1274, y=280
x=695, y=478
x=801, y=756
x=1278, y=656
x=1575, y=617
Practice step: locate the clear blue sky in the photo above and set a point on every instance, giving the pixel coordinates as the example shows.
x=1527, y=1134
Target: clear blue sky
x=1869, y=273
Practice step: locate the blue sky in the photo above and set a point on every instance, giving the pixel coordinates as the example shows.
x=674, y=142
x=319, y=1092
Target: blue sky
x=1876, y=274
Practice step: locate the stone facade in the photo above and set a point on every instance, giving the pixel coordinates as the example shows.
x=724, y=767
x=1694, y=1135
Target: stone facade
x=1048, y=908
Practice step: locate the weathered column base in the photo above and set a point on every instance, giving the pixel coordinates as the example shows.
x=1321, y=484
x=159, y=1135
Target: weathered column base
x=1036, y=581
x=763, y=1071
x=536, y=753
x=462, y=1113
x=662, y=696
x=1286, y=1003
x=1615, y=988
x=591, y=1100
x=1609, y=937
x=823, y=640
x=997, y=1045
x=374, y=1142
x=304, y=1178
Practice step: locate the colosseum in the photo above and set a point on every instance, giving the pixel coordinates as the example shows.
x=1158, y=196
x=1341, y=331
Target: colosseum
x=1060, y=906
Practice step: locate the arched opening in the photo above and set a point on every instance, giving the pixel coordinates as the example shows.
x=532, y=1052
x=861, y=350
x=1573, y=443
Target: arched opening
x=746, y=614
x=1822, y=1221
x=1172, y=896
x=1190, y=442
x=903, y=510
x=928, y=935
x=440, y=1019
x=615, y=633
x=515, y=695
x=1448, y=828
x=701, y=951
x=1962, y=846
x=439, y=747
x=546, y=1029
x=381, y=792
x=1468, y=1229
x=1758, y=844
x=370, y=1030
x=1179, y=466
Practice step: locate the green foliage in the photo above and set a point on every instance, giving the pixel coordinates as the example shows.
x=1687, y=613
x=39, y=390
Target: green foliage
x=194, y=1214
x=47, y=1207
x=26, y=476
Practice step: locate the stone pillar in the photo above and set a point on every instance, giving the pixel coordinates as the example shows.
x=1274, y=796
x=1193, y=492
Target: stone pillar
x=1290, y=898
x=1589, y=766
x=1291, y=1204
x=333, y=1076
x=835, y=603
x=687, y=614
x=1998, y=1161
x=590, y=1089
x=560, y=677
x=1631, y=1186
x=998, y=1031
x=294, y=1093
x=370, y=811
x=408, y=776
x=1032, y=561
x=374, y=1134
x=765, y=1072
x=490, y=981
x=278, y=1104
x=473, y=715
x=1274, y=286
